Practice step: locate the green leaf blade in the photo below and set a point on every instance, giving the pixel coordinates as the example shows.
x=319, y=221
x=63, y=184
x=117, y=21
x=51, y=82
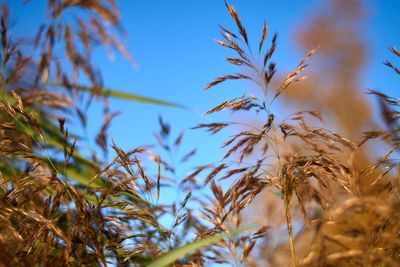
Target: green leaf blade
x=175, y=254
x=128, y=96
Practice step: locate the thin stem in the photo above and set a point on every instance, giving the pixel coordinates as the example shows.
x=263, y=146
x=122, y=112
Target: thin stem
x=286, y=202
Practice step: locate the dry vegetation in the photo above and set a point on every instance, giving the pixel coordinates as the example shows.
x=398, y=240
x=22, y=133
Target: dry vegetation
x=62, y=207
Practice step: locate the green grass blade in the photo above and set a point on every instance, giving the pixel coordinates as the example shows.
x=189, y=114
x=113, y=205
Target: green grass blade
x=129, y=96
x=175, y=254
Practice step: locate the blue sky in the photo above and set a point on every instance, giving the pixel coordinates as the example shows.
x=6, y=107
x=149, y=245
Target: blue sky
x=172, y=44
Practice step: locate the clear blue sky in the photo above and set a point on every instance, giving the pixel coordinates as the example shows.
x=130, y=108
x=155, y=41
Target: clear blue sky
x=172, y=43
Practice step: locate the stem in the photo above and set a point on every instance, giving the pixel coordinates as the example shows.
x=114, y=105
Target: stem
x=286, y=202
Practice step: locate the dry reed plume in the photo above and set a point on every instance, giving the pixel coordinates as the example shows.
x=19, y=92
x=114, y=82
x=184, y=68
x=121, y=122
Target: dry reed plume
x=62, y=206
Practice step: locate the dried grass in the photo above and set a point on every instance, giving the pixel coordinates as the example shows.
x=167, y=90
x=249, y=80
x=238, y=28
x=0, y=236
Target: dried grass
x=59, y=208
